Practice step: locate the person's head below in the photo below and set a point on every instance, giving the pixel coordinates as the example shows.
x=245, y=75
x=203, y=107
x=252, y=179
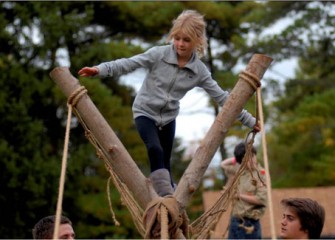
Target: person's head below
x=240, y=151
x=44, y=228
x=189, y=26
x=303, y=218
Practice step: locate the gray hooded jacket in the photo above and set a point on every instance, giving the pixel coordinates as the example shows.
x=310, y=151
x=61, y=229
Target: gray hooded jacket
x=166, y=83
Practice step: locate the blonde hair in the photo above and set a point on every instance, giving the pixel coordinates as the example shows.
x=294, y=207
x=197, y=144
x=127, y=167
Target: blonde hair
x=191, y=23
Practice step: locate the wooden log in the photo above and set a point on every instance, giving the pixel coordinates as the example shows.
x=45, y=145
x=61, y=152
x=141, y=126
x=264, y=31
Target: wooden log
x=240, y=94
x=118, y=156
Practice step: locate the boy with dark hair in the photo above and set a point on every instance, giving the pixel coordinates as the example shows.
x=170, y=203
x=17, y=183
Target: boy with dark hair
x=251, y=200
x=303, y=218
x=44, y=228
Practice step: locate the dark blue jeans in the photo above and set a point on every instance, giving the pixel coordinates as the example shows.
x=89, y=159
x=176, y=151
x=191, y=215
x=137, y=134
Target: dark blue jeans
x=158, y=141
x=238, y=232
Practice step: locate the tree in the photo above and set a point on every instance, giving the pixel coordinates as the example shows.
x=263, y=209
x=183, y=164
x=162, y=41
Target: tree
x=33, y=35
x=302, y=117
x=37, y=36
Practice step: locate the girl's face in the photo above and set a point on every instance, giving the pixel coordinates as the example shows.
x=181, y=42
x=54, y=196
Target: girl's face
x=291, y=226
x=184, y=45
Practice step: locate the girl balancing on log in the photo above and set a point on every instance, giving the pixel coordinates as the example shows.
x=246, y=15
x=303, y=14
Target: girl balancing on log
x=173, y=70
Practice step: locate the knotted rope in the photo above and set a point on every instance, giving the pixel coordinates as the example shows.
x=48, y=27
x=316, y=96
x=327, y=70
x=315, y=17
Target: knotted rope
x=164, y=219
x=202, y=227
x=127, y=197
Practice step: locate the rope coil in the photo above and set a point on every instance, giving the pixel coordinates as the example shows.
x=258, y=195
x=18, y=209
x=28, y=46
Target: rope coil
x=250, y=78
x=164, y=219
x=76, y=95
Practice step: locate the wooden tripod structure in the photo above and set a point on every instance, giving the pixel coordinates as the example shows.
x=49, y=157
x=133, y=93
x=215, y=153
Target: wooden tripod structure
x=122, y=162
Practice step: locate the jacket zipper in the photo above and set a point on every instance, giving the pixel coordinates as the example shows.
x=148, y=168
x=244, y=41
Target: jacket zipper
x=168, y=96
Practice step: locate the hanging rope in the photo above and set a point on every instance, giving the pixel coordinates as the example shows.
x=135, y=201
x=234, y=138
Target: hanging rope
x=73, y=99
x=266, y=164
x=127, y=199
x=164, y=223
x=116, y=222
x=201, y=228
x=163, y=218
x=126, y=196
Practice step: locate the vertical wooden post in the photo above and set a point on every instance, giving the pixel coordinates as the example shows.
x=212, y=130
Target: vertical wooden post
x=119, y=157
x=240, y=94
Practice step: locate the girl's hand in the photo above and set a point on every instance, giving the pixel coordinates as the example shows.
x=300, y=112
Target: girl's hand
x=257, y=127
x=88, y=71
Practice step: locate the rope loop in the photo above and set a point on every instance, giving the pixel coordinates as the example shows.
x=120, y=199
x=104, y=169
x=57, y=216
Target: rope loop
x=76, y=95
x=250, y=78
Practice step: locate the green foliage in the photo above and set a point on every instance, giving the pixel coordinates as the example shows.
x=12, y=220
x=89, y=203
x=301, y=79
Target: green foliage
x=304, y=144
x=297, y=37
x=33, y=36
x=301, y=117
x=32, y=124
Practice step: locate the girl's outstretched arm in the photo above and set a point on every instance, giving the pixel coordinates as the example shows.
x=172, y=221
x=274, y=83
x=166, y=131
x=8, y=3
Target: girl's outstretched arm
x=88, y=71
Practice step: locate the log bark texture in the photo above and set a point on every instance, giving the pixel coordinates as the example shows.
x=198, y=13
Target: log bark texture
x=118, y=156
x=240, y=94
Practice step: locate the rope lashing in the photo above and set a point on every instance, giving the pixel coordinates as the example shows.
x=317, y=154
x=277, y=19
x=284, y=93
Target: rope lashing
x=164, y=219
x=250, y=78
x=202, y=226
x=76, y=95
x=72, y=101
x=126, y=196
x=102, y=153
